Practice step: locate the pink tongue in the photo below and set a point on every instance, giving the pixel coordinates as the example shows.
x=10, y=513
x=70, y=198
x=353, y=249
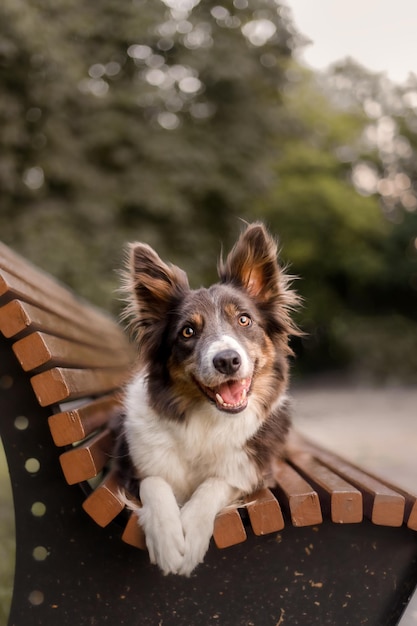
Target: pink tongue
x=231, y=392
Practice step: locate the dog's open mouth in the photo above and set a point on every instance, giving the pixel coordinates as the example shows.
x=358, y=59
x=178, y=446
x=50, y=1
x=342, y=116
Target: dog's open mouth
x=231, y=396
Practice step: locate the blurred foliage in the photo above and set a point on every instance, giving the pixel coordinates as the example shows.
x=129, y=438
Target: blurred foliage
x=353, y=258
x=166, y=121
x=7, y=540
x=143, y=119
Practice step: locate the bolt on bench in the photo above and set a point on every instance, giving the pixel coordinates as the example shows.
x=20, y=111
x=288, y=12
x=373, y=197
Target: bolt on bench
x=332, y=544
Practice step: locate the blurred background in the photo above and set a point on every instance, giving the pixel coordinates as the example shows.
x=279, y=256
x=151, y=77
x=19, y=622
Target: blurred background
x=169, y=120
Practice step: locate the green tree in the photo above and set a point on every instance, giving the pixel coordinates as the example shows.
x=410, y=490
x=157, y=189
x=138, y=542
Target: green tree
x=148, y=120
x=356, y=265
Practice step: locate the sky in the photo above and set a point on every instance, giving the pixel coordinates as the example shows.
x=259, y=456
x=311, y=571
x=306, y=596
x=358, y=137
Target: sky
x=379, y=34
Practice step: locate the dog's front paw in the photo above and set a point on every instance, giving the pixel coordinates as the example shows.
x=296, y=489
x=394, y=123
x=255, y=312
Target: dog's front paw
x=198, y=529
x=161, y=522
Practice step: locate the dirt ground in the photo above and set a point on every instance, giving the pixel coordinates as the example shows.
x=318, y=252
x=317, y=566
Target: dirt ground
x=376, y=428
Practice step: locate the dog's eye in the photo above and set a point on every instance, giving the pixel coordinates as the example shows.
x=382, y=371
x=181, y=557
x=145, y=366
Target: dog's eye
x=187, y=332
x=244, y=320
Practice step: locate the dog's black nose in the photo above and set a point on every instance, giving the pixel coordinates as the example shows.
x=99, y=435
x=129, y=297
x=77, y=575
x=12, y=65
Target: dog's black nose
x=227, y=361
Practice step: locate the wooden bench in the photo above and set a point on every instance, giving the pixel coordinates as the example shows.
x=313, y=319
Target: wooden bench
x=332, y=544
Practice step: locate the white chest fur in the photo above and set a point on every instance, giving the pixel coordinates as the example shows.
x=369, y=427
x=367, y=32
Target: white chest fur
x=208, y=444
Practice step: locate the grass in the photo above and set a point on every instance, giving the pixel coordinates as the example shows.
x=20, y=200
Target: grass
x=7, y=540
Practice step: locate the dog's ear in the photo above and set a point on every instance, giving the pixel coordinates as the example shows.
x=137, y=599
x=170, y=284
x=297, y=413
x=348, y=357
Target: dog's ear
x=152, y=285
x=253, y=265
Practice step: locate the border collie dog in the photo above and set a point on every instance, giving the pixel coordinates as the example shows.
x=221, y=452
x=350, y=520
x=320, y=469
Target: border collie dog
x=206, y=408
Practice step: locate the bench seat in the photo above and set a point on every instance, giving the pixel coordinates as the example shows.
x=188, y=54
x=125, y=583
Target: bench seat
x=63, y=364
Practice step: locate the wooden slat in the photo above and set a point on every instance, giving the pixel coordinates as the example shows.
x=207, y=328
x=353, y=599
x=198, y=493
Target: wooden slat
x=60, y=301
x=15, y=265
x=382, y=505
x=17, y=317
x=340, y=499
x=228, y=528
x=133, y=533
x=301, y=499
x=264, y=512
x=73, y=425
x=104, y=503
x=412, y=516
x=410, y=499
x=39, y=292
x=18, y=265
x=410, y=506
x=39, y=349
x=87, y=460
x=61, y=384
x=14, y=319
x=30, y=276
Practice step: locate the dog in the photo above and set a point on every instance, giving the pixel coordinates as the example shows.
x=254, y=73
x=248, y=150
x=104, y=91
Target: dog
x=207, y=406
